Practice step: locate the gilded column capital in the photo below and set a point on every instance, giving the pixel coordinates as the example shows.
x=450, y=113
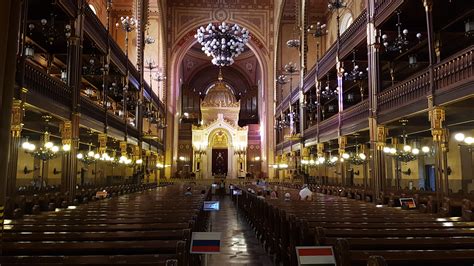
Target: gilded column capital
x=437, y=116
x=123, y=148
x=102, y=138
x=17, y=119
x=66, y=132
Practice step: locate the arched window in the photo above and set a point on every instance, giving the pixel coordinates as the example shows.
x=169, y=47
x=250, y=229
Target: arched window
x=346, y=21
x=93, y=9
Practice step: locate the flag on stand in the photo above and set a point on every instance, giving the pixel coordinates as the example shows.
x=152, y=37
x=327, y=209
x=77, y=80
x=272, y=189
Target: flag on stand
x=315, y=256
x=206, y=242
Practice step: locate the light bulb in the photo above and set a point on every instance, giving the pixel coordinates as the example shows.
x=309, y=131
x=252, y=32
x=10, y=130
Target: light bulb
x=469, y=140
x=25, y=145
x=393, y=150
x=459, y=137
x=345, y=156
x=96, y=156
x=386, y=149
x=407, y=148
x=79, y=156
x=66, y=147
x=362, y=156
x=90, y=154
x=55, y=149
x=48, y=145
x=415, y=151
x=31, y=147
x=139, y=161
x=425, y=149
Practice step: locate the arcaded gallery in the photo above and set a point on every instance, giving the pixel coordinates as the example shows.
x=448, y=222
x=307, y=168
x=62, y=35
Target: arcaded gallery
x=237, y=132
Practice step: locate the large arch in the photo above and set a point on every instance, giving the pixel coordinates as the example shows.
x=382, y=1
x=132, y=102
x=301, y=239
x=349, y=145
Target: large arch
x=174, y=84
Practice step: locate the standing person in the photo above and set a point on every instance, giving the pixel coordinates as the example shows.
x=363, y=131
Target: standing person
x=222, y=187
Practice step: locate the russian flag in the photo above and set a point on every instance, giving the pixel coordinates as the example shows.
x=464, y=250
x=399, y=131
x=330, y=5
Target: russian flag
x=317, y=256
x=205, y=242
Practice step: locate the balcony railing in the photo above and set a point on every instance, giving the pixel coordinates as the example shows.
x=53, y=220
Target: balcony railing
x=404, y=92
x=454, y=69
x=38, y=80
x=356, y=113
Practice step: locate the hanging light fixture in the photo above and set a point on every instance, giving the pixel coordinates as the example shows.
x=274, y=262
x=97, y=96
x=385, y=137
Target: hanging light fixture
x=407, y=153
x=327, y=92
x=336, y=4
x=401, y=42
x=357, y=158
x=356, y=74
x=317, y=30
x=223, y=42
x=49, y=29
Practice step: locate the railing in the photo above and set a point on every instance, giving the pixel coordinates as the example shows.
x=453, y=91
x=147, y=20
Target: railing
x=404, y=92
x=356, y=113
x=329, y=125
x=458, y=67
x=356, y=33
x=38, y=80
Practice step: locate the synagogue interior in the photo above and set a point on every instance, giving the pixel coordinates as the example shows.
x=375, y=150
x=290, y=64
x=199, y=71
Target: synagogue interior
x=237, y=132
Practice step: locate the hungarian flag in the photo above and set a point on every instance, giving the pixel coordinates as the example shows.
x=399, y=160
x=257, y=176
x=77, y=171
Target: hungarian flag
x=317, y=256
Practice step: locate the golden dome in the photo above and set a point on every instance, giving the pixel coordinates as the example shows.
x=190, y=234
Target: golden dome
x=219, y=95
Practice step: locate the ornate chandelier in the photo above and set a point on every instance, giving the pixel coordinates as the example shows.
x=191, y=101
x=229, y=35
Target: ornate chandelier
x=327, y=92
x=222, y=41
x=356, y=73
x=401, y=42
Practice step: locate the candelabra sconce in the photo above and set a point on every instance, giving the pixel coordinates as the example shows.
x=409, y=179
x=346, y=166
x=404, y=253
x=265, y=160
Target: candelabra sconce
x=401, y=42
x=56, y=172
x=28, y=171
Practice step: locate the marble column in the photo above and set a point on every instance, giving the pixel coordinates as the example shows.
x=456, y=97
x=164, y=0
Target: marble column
x=376, y=154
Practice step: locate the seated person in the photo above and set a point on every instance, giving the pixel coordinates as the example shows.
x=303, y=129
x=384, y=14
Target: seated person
x=273, y=195
x=287, y=196
x=260, y=195
x=188, y=192
x=306, y=193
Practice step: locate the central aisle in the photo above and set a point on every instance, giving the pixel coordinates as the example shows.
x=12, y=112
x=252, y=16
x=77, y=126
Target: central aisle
x=239, y=245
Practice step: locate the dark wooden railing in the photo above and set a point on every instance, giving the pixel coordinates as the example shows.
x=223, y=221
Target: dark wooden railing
x=456, y=68
x=356, y=113
x=69, y=6
x=38, y=80
x=404, y=92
